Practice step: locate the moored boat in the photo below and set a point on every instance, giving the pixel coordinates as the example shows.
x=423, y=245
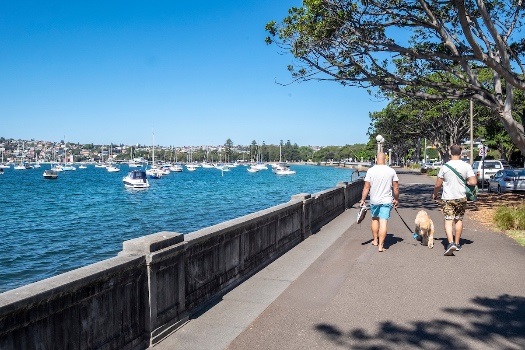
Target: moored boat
x=176, y=168
x=111, y=168
x=50, y=174
x=136, y=179
x=283, y=169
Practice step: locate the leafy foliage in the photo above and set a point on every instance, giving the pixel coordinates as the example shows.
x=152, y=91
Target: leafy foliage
x=425, y=50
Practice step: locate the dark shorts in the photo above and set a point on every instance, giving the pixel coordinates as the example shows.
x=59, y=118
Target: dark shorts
x=454, y=209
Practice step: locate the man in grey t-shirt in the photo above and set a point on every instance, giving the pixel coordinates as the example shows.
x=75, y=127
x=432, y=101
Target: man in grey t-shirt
x=383, y=184
x=454, y=196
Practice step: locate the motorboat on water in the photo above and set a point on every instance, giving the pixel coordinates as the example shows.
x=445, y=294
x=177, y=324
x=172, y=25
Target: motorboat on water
x=68, y=167
x=136, y=179
x=111, y=168
x=206, y=165
x=177, y=168
x=154, y=173
x=191, y=167
x=283, y=169
x=20, y=167
x=260, y=166
x=57, y=168
x=50, y=174
x=165, y=169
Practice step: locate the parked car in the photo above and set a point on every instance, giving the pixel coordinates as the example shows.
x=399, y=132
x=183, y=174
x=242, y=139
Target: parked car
x=426, y=166
x=490, y=167
x=437, y=165
x=505, y=164
x=507, y=180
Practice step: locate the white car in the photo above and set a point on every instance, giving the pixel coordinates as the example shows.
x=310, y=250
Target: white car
x=484, y=170
x=437, y=165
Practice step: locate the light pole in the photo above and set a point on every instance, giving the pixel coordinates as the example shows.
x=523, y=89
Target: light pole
x=389, y=156
x=482, y=164
x=380, y=139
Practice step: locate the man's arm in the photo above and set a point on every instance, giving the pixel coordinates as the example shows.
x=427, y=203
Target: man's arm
x=471, y=181
x=395, y=189
x=366, y=188
x=437, y=187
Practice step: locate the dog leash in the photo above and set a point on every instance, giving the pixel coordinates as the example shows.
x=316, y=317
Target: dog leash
x=404, y=221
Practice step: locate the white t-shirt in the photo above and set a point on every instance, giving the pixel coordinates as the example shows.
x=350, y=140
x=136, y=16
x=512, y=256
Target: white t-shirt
x=453, y=186
x=381, y=178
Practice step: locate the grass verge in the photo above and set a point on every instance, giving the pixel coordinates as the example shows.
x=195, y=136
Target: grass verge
x=518, y=236
x=511, y=219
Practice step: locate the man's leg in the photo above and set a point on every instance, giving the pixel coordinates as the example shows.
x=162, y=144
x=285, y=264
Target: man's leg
x=375, y=231
x=459, y=230
x=383, y=223
x=449, y=225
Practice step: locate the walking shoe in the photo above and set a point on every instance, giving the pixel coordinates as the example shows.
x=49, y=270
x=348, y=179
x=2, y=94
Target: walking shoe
x=361, y=214
x=450, y=249
x=458, y=247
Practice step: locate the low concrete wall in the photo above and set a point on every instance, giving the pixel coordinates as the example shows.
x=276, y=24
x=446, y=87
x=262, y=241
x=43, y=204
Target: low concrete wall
x=157, y=281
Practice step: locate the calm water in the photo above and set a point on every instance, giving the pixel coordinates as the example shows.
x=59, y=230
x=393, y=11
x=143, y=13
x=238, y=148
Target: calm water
x=53, y=226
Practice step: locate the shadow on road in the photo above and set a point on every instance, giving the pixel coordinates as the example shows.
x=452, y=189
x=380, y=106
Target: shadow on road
x=498, y=323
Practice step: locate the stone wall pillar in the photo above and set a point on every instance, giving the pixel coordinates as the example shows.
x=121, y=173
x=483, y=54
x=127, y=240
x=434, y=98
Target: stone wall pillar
x=164, y=254
x=306, y=224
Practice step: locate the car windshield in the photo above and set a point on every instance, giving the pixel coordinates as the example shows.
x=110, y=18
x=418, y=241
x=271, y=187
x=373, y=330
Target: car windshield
x=492, y=165
x=511, y=173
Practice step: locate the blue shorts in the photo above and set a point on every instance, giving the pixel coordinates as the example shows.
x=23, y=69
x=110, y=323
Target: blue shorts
x=381, y=211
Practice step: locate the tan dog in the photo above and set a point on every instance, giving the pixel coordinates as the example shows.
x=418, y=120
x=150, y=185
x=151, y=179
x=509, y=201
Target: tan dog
x=425, y=228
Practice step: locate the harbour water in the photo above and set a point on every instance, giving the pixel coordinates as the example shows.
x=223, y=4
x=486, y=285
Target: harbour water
x=53, y=226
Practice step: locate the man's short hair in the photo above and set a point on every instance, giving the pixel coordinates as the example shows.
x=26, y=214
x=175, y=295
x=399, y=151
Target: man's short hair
x=455, y=150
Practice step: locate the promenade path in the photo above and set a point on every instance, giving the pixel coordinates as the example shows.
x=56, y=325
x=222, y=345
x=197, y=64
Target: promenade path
x=335, y=291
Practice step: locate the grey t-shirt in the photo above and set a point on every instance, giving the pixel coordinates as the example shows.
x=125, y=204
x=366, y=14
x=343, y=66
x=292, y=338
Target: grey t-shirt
x=381, y=178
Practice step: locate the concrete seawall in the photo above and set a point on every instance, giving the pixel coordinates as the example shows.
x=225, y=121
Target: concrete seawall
x=157, y=281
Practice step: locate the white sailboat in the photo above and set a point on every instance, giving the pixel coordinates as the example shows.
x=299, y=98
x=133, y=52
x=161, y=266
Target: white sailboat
x=133, y=163
x=282, y=168
x=68, y=165
x=189, y=165
x=2, y=164
x=20, y=165
x=111, y=166
x=154, y=172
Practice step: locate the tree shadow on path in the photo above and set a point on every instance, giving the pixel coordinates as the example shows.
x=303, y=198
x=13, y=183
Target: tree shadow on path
x=491, y=323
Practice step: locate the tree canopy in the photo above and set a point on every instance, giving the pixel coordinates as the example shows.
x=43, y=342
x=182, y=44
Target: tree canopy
x=429, y=50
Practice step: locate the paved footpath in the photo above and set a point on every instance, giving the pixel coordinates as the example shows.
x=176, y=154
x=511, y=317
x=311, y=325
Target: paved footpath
x=335, y=291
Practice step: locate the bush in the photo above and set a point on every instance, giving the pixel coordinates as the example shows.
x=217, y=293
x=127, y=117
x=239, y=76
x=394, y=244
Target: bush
x=510, y=218
x=432, y=172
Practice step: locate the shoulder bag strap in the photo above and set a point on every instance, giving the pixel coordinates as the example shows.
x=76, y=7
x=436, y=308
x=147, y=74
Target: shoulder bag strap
x=456, y=172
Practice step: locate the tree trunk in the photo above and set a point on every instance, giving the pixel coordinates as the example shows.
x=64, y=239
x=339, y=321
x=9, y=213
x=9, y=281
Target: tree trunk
x=514, y=129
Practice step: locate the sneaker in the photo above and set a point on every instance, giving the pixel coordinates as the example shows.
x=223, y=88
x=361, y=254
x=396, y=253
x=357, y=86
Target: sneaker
x=450, y=249
x=361, y=214
x=458, y=247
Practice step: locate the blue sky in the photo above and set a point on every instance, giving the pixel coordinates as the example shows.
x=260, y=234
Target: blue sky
x=189, y=72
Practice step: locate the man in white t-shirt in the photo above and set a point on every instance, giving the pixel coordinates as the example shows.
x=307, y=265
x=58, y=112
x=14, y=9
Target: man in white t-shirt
x=454, y=196
x=383, y=184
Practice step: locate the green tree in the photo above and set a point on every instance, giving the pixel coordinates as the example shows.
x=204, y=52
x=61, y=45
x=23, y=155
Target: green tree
x=253, y=151
x=306, y=153
x=397, y=47
x=228, y=150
